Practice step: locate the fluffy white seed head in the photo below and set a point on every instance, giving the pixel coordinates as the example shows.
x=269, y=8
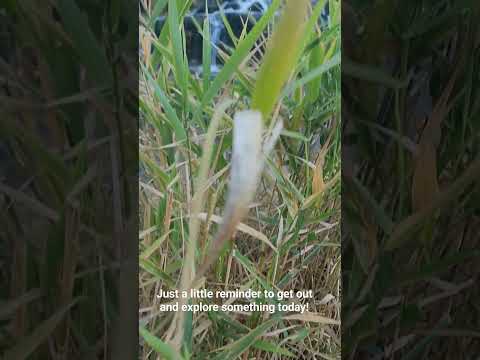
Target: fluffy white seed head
x=247, y=157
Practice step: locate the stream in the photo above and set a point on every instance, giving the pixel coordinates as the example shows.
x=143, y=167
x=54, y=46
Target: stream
x=237, y=13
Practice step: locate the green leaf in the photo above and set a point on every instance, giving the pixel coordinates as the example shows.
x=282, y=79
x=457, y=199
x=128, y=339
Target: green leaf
x=157, y=10
x=278, y=64
x=172, y=117
x=240, y=53
x=207, y=55
x=151, y=268
x=87, y=47
x=272, y=348
x=313, y=74
x=371, y=74
x=159, y=346
x=181, y=68
x=237, y=348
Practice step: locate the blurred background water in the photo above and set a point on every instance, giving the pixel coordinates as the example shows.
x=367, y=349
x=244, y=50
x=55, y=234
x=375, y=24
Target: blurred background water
x=238, y=13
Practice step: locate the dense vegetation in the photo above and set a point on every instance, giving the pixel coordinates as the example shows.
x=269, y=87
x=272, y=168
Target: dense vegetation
x=68, y=159
x=410, y=240
x=291, y=236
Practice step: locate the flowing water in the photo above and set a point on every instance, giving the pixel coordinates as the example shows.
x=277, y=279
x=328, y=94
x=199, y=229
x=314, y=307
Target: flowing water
x=239, y=13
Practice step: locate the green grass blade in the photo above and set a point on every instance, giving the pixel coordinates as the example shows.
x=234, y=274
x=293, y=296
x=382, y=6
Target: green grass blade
x=83, y=40
x=313, y=74
x=157, y=10
x=278, y=64
x=172, y=117
x=372, y=74
x=240, y=346
x=206, y=55
x=240, y=53
x=159, y=346
x=272, y=348
x=181, y=68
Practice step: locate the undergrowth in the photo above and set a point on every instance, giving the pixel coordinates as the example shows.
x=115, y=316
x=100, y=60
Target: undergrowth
x=291, y=236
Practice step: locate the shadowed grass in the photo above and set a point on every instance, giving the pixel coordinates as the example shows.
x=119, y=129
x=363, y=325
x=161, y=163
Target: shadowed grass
x=68, y=149
x=410, y=174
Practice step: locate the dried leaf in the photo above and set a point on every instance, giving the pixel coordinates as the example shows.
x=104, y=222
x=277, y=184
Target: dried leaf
x=312, y=317
x=318, y=185
x=425, y=178
x=425, y=184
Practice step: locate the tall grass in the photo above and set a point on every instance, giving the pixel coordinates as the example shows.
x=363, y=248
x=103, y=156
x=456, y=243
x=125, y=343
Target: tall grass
x=290, y=237
x=68, y=138
x=410, y=195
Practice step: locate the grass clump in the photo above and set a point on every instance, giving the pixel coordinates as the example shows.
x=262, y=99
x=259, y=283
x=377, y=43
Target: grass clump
x=289, y=237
